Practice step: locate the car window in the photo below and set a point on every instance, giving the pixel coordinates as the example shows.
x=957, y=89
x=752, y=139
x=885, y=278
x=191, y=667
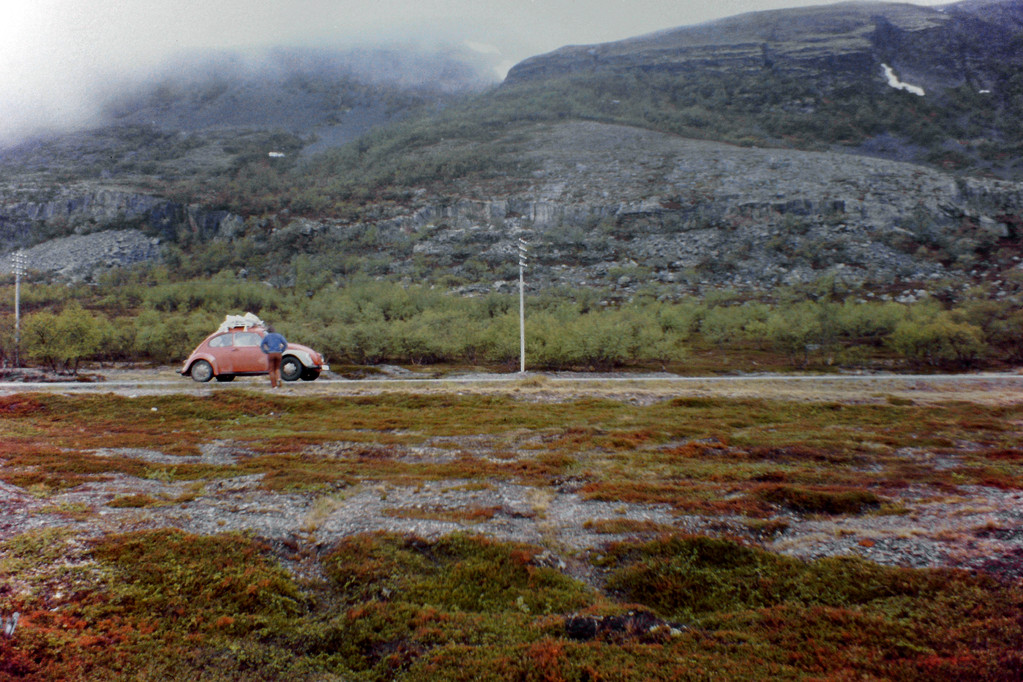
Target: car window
x=221, y=341
x=247, y=339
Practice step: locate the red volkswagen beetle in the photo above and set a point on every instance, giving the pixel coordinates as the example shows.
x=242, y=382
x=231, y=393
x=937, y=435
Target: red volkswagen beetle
x=234, y=351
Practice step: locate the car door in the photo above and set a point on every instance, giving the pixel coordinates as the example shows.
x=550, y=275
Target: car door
x=246, y=357
x=220, y=348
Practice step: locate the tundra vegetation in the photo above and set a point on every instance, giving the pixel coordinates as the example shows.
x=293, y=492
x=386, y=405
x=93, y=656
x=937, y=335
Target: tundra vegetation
x=148, y=601
x=479, y=137
x=146, y=317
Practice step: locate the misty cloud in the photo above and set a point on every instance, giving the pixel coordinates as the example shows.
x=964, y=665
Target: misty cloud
x=59, y=59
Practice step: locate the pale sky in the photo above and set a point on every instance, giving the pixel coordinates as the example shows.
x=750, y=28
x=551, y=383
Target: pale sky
x=54, y=54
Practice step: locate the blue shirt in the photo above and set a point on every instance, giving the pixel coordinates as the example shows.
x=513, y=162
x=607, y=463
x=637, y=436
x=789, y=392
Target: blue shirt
x=273, y=343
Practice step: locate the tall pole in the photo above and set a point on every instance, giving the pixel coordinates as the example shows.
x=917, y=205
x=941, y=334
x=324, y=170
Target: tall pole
x=19, y=270
x=523, y=247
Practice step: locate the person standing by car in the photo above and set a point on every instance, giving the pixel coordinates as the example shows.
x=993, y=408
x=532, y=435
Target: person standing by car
x=273, y=344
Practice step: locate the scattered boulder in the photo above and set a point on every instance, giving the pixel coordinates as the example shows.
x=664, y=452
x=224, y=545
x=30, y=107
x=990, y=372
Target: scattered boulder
x=638, y=625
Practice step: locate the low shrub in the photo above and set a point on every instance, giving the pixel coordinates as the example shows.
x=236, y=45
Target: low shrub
x=133, y=501
x=196, y=581
x=820, y=500
x=691, y=577
x=458, y=572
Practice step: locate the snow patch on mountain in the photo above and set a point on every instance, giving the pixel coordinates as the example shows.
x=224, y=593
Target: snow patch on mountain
x=894, y=81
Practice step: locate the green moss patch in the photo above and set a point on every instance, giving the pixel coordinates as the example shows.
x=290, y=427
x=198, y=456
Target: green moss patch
x=170, y=605
x=194, y=581
x=458, y=573
x=689, y=577
x=133, y=501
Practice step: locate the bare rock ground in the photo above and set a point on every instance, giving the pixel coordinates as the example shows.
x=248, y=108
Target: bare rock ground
x=975, y=528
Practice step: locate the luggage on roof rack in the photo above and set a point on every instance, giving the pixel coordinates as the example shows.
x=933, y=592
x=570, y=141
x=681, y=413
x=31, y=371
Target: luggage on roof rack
x=240, y=321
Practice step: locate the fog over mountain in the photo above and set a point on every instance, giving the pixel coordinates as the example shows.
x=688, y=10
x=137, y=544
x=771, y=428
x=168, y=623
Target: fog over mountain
x=61, y=59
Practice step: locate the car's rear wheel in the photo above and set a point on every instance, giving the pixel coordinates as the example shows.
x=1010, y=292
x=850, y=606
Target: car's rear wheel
x=202, y=371
x=291, y=368
x=225, y=377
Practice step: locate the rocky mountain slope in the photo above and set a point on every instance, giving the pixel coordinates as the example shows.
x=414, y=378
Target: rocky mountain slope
x=628, y=202
x=969, y=42
x=821, y=76
x=634, y=210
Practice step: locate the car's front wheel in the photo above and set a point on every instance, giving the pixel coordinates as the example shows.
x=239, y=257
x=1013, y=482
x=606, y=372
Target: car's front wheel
x=291, y=368
x=202, y=371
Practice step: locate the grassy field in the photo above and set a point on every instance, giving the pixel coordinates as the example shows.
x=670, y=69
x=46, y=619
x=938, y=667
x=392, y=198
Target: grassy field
x=672, y=532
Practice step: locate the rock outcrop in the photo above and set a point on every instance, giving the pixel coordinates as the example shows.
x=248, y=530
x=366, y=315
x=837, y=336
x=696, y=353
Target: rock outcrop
x=624, y=207
x=94, y=227
x=84, y=256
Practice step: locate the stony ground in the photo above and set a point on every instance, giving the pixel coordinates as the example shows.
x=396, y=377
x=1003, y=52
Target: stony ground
x=971, y=527
x=975, y=528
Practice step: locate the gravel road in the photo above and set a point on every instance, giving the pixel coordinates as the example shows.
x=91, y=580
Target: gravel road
x=989, y=387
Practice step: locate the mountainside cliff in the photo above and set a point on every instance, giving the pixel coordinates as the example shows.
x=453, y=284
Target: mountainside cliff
x=753, y=152
x=638, y=210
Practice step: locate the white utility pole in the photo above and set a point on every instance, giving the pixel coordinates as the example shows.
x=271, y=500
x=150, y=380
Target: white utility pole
x=20, y=259
x=523, y=248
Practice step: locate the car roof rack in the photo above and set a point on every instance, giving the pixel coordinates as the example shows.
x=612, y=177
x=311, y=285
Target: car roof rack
x=240, y=322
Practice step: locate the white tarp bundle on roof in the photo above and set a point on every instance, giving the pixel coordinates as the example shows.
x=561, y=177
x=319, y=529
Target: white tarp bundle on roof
x=233, y=321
